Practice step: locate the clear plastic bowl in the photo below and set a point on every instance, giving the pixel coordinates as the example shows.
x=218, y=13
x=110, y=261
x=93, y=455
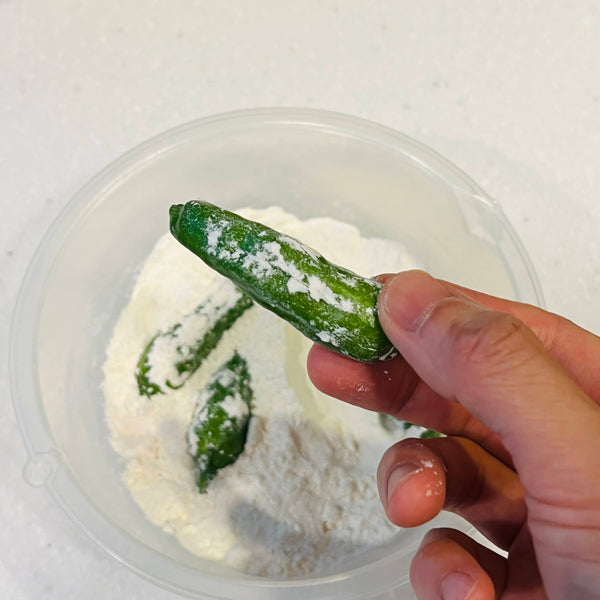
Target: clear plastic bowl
x=312, y=163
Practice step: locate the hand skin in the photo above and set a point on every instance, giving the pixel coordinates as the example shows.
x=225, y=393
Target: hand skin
x=516, y=390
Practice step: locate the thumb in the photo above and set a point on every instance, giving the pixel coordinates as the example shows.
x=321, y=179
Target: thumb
x=497, y=368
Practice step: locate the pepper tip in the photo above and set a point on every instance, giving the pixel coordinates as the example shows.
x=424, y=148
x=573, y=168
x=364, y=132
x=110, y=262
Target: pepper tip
x=175, y=212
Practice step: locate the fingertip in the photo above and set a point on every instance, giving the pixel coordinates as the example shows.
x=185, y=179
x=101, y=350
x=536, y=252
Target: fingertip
x=414, y=497
x=412, y=483
x=327, y=370
x=370, y=385
x=404, y=300
x=444, y=567
x=316, y=363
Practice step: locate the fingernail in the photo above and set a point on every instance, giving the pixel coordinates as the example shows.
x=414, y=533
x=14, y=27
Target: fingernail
x=457, y=586
x=398, y=476
x=406, y=298
x=383, y=277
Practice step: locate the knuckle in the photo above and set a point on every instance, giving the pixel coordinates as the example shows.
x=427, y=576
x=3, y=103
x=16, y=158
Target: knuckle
x=408, y=389
x=490, y=338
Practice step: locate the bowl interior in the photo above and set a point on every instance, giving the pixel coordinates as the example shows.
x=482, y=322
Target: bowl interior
x=311, y=164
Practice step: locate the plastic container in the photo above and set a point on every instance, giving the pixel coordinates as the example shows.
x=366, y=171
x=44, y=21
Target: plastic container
x=310, y=162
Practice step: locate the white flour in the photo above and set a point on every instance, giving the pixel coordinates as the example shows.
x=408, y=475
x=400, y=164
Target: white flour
x=302, y=496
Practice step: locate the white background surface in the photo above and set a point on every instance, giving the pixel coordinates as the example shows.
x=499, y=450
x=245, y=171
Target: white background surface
x=508, y=91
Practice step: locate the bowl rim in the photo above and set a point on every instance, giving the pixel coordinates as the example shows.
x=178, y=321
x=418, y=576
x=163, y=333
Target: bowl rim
x=45, y=466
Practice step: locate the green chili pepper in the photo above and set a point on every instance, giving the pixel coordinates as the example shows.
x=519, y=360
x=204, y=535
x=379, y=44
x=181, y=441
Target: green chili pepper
x=327, y=303
x=219, y=426
x=171, y=357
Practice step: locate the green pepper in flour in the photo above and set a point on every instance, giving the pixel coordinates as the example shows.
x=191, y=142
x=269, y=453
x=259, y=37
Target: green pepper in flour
x=171, y=357
x=327, y=303
x=219, y=426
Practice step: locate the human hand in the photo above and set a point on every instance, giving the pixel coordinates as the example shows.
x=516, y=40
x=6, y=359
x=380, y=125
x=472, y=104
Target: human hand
x=517, y=392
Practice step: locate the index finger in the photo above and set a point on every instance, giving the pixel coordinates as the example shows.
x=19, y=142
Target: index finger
x=392, y=387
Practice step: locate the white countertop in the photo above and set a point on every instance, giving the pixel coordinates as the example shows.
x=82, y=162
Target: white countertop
x=508, y=91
